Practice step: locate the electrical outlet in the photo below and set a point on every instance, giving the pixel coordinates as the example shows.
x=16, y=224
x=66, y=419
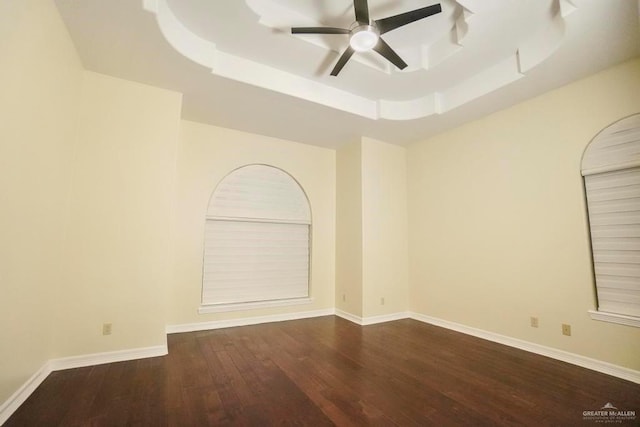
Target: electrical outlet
x=344, y=297
x=106, y=328
x=382, y=301
x=566, y=329
x=534, y=322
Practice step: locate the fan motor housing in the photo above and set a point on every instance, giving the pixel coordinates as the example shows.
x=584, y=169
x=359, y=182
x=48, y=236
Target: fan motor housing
x=364, y=37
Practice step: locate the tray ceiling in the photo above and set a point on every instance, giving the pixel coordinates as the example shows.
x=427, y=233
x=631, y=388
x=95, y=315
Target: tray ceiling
x=235, y=60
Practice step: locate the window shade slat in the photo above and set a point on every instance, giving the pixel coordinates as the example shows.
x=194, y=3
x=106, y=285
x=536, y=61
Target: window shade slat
x=616, y=282
x=614, y=193
x=613, y=179
x=614, y=269
x=613, y=218
x=625, y=257
x=618, y=307
x=615, y=230
x=615, y=244
x=613, y=206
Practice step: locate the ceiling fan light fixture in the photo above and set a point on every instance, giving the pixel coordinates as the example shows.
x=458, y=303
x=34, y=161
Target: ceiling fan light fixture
x=364, y=34
x=364, y=37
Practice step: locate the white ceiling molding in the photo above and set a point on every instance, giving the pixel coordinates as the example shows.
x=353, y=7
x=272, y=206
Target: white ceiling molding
x=195, y=48
x=413, y=109
x=487, y=81
x=451, y=43
x=462, y=24
x=472, y=20
x=566, y=7
x=544, y=43
x=540, y=46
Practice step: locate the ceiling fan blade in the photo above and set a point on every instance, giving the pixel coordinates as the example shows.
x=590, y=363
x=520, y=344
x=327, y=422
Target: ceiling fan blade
x=342, y=61
x=362, y=11
x=392, y=22
x=319, y=30
x=385, y=50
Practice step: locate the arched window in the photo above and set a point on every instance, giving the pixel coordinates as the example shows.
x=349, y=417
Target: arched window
x=611, y=170
x=257, y=235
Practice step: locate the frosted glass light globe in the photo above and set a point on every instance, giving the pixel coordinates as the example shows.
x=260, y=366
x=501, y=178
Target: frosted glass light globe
x=364, y=38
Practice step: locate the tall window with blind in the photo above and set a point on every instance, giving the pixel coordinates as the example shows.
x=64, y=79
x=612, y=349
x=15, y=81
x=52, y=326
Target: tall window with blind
x=257, y=239
x=611, y=171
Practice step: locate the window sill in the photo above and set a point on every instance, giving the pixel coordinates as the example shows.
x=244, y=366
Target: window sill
x=620, y=319
x=222, y=308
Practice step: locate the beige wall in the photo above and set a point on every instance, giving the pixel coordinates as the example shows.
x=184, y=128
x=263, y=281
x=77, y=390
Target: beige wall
x=372, y=247
x=119, y=242
x=497, y=219
x=205, y=156
x=40, y=77
x=349, y=229
x=384, y=229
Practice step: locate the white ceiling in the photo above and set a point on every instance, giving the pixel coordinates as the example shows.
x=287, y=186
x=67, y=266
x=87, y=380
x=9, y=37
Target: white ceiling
x=239, y=67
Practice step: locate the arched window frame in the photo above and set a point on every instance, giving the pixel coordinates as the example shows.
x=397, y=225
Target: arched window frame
x=611, y=176
x=256, y=202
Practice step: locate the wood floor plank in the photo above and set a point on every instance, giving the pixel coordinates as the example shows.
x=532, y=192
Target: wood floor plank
x=327, y=371
x=86, y=396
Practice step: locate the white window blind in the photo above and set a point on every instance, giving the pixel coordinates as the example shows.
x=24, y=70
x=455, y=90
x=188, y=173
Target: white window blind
x=614, y=218
x=611, y=169
x=257, y=238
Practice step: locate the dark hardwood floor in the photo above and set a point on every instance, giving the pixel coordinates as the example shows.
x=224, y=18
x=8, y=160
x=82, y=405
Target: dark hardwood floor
x=327, y=371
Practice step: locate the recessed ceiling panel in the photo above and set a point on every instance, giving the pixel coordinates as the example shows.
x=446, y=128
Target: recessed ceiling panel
x=469, y=49
x=238, y=65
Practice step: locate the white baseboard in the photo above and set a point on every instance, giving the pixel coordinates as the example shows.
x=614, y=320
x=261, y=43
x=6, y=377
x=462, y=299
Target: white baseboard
x=348, y=316
x=564, y=356
x=246, y=321
x=372, y=320
x=18, y=398
x=21, y=395
x=108, y=357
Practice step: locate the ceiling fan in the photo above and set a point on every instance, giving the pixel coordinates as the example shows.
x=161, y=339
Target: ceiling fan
x=364, y=34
